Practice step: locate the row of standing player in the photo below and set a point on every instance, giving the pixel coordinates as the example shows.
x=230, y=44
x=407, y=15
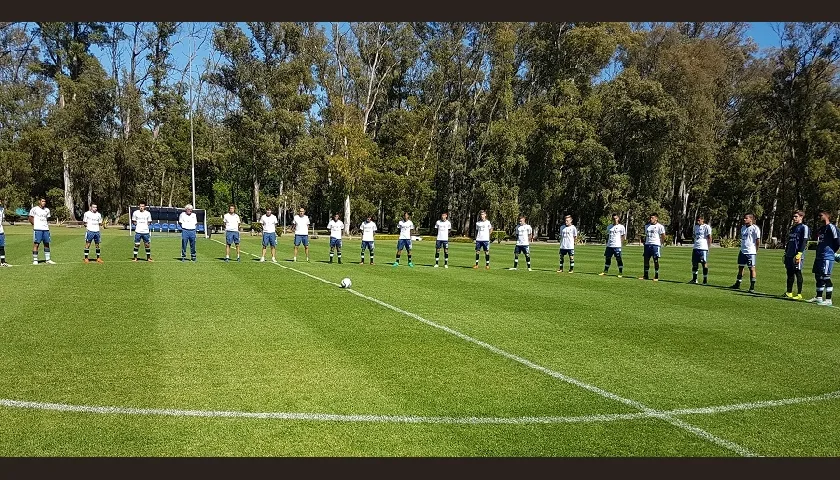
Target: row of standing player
x=828, y=243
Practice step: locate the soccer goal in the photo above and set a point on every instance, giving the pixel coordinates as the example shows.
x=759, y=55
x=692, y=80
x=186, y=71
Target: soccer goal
x=165, y=221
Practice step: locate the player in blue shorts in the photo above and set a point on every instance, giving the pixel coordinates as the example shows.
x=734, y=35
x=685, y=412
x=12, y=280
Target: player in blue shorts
x=828, y=244
x=794, y=257
x=269, y=238
x=700, y=253
x=616, y=235
x=367, y=228
x=442, y=241
x=483, y=229
x=142, y=219
x=232, y=222
x=405, y=227
x=335, y=226
x=38, y=217
x=750, y=241
x=93, y=221
x=654, y=238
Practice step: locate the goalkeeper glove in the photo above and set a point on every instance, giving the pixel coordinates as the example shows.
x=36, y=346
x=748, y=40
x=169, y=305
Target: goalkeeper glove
x=837, y=257
x=798, y=256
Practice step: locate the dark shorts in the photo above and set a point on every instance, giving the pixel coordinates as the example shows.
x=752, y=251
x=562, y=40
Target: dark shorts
x=304, y=239
x=232, y=238
x=823, y=266
x=367, y=245
x=404, y=244
x=652, y=251
x=41, y=236
x=482, y=245
x=335, y=242
x=792, y=264
x=699, y=256
x=269, y=239
x=526, y=249
x=142, y=237
x=94, y=237
x=612, y=252
x=567, y=251
x=441, y=244
x=745, y=260
x=2, y=239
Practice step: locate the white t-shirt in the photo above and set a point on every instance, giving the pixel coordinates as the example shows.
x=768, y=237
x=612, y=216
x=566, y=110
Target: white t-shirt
x=749, y=237
x=301, y=225
x=701, y=236
x=2, y=214
x=41, y=215
x=567, y=237
x=443, y=229
x=143, y=219
x=367, y=229
x=653, y=233
x=335, y=227
x=232, y=222
x=92, y=221
x=523, y=234
x=614, y=234
x=405, y=226
x=269, y=223
x=188, y=222
x=482, y=231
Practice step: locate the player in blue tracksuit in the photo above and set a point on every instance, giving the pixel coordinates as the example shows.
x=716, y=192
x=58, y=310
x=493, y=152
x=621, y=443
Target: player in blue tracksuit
x=794, y=257
x=827, y=246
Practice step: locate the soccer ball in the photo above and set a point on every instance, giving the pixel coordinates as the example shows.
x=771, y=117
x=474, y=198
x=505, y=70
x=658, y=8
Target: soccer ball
x=346, y=283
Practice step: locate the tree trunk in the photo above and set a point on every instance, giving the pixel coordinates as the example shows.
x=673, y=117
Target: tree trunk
x=68, y=181
x=256, y=202
x=773, y=213
x=162, y=186
x=347, y=214
x=172, y=192
x=89, y=195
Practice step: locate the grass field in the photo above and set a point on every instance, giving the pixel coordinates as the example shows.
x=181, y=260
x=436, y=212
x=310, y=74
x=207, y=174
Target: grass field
x=256, y=359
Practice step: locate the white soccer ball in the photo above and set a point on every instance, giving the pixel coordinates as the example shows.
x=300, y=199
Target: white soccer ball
x=346, y=283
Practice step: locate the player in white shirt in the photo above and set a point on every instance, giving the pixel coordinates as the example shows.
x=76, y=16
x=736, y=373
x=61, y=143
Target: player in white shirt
x=232, y=222
x=616, y=235
x=567, y=235
x=2, y=236
x=405, y=227
x=443, y=226
x=269, y=238
x=38, y=217
x=93, y=220
x=483, y=230
x=654, y=238
x=301, y=223
x=335, y=226
x=700, y=253
x=524, y=237
x=750, y=241
x=367, y=227
x=141, y=219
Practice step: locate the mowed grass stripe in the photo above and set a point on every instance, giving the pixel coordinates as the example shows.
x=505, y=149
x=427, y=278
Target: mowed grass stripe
x=356, y=361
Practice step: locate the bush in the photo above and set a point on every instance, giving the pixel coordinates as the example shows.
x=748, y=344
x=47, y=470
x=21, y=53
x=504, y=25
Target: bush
x=215, y=224
x=730, y=242
x=580, y=240
x=13, y=217
x=498, y=236
x=812, y=245
x=669, y=239
x=123, y=219
x=256, y=227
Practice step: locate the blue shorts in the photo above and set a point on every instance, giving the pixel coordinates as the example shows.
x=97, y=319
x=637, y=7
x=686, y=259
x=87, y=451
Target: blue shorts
x=652, y=251
x=93, y=237
x=270, y=239
x=144, y=237
x=2, y=239
x=699, y=256
x=304, y=239
x=441, y=244
x=567, y=251
x=823, y=266
x=612, y=252
x=367, y=245
x=335, y=242
x=526, y=249
x=482, y=245
x=792, y=264
x=232, y=238
x=746, y=260
x=42, y=236
x=403, y=243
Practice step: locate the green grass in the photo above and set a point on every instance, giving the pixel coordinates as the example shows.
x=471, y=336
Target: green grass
x=254, y=337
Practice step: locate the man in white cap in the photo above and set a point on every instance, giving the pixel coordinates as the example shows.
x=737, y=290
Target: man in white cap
x=188, y=221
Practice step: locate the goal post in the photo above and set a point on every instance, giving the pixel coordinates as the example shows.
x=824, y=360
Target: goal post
x=165, y=220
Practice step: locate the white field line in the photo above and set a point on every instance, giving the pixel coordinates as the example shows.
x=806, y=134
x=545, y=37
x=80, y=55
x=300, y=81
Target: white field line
x=565, y=378
x=368, y=418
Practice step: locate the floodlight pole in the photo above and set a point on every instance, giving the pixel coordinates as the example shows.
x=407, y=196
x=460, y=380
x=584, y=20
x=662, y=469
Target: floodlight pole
x=192, y=143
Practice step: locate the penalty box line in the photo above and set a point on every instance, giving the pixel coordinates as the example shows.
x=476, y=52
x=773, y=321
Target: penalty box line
x=665, y=416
